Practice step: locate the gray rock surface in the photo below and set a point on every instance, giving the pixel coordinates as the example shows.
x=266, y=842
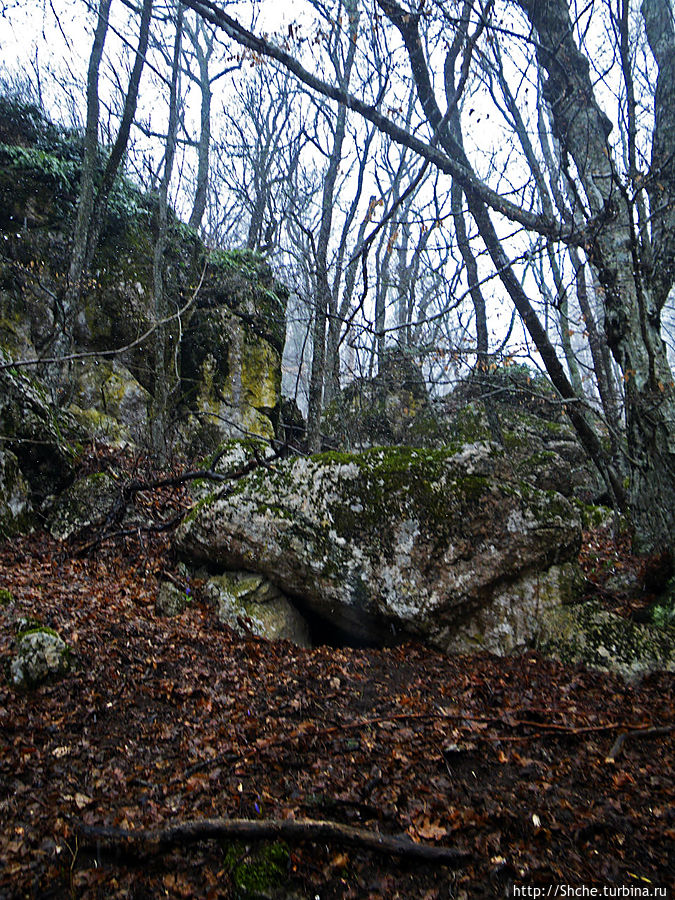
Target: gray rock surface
x=446, y=547
x=589, y=634
x=87, y=501
x=41, y=655
x=171, y=600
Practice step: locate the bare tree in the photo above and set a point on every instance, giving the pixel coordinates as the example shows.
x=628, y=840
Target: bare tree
x=635, y=268
x=203, y=45
x=85, y=205
x=163, y=368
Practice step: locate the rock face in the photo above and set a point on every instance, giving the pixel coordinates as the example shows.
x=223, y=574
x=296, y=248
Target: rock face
x=39, y=451
x=15, y=506
x=224, y=353
x=109, y=403
x=87, y=501
x=438, y=545
x=231, y=352
x=41, y=655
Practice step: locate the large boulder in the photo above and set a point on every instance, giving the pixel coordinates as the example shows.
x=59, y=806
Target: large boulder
x=444, y=546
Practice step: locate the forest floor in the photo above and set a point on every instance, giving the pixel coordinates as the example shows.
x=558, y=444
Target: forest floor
x=512, y=761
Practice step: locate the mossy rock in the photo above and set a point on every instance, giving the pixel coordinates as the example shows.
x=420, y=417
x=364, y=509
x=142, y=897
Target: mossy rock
x=172, y=600
x=231, y=377
x=588, y=633
x=243, y=281
x=41, y=655
x=391, y=408
x=109, y=403
x=393, y=540
x=87, y=501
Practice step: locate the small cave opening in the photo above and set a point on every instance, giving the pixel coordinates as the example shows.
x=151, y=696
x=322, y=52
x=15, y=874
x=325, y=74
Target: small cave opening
x=325, y=632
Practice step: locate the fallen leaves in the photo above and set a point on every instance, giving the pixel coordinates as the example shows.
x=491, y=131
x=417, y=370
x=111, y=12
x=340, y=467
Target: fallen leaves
x=170, y=720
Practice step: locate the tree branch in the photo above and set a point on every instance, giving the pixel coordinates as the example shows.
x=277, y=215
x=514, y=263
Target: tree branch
x=292, y=830
x=550, y=228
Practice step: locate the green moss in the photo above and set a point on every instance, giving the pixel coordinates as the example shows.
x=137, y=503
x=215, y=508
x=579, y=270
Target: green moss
x=201, y=504
x=5, y=597
x=595, y=516
x=590, y=634
x=257, y=872
x=470, y=425
x=662, y=613
x=388, y=479
x=36, y=628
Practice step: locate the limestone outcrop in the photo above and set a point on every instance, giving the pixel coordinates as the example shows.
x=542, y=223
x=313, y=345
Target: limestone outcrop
x=441, y=545
x=223, y=359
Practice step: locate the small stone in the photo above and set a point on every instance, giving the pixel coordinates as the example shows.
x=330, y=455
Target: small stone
x=41, y=655
x=171, y=600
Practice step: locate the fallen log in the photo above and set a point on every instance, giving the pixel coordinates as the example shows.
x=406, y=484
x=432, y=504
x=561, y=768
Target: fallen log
x=291, y=830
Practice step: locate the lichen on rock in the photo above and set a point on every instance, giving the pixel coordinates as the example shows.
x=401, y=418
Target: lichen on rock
x=41, y=655
x=588, y=633
x=417, y=540
x=109, y=403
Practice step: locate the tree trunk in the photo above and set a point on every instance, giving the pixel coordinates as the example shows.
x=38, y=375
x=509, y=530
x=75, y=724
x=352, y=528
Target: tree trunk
x=408, y=27
x=203, y=148
x=162, y=381
x=631, y=299
x=122, y=139
x=85, y=206
x=323, y=290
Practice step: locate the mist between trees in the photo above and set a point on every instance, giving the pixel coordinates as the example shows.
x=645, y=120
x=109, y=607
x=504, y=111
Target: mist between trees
x=467, y=184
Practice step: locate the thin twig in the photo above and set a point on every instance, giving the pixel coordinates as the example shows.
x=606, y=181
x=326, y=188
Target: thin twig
x=617, y=746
